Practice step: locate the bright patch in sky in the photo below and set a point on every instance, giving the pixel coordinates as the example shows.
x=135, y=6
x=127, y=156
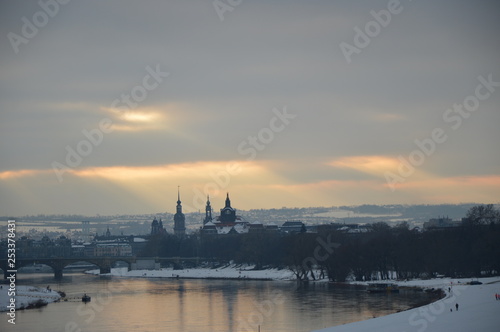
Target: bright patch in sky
x=189, y=99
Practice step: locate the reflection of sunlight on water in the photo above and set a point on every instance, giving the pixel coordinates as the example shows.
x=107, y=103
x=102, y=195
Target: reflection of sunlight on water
x=144, y=304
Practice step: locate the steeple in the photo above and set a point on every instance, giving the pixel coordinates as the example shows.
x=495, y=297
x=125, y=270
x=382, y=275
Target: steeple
x=179, y=206
x=179, y=218
x=227, y=214
x=208, y=212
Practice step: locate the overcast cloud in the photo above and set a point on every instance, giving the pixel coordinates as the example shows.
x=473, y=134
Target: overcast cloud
x=349, y=122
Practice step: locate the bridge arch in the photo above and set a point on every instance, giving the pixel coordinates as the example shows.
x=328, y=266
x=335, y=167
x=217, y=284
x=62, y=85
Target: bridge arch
x=59, y=263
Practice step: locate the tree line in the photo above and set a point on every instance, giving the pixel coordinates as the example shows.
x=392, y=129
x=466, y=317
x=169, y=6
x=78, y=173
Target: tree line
x=385, y=252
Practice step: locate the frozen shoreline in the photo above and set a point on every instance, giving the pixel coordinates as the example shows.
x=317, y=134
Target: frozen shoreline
x=228, y=272
x=478, y=310
x=26, y=295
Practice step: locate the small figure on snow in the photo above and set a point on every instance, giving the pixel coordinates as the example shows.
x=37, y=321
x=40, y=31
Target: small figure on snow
x=456, y=306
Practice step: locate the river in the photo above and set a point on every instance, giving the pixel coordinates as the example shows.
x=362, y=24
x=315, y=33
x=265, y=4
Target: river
x=140, y=304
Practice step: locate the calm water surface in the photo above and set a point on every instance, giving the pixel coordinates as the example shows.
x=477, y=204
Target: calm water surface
x=137, y=304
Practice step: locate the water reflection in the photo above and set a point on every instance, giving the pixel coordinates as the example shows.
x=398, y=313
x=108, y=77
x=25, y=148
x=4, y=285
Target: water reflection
x=123, y=304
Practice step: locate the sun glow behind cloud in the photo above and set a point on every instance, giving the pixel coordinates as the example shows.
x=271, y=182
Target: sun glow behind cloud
x=374, y=165
x=145, y=118
x=196, y=179
x=126, y=189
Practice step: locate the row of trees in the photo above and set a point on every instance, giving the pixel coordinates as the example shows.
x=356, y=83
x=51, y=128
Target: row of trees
x=471, y=250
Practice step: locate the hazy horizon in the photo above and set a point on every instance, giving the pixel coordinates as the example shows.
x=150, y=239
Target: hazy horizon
x=107, y=107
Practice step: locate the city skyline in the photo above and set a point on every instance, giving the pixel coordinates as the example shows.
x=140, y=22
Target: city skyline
x=108, y=107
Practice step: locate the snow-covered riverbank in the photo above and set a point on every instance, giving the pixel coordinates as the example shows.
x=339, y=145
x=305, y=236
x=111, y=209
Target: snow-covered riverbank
x=228, y=272
x=478, y=310
x=26, y=295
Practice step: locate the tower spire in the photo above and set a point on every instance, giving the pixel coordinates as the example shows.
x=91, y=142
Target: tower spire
x=208, y=211
x=179, y=218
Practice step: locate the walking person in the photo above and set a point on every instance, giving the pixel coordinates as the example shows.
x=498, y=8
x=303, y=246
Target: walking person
x=456, y=306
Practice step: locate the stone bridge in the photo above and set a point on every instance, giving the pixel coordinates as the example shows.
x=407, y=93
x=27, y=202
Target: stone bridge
x=104, y=263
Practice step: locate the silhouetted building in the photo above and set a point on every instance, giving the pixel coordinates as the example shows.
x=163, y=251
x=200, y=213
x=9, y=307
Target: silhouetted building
x=256, y=227
x=179, y=219
x=293, y=227
x=209, y=228
x=112, y=249
x=208, y=212
x=157, y=227
x=272, y=227
x=44, y=248
x=441, y=223
x=227, y=214
x=226, y=223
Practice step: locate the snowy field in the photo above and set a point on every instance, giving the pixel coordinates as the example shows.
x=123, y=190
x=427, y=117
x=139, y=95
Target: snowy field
x=229, y=272
x=26, y=295
x=478, y=310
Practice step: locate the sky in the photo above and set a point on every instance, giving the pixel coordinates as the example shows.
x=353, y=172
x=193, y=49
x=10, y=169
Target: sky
x=110, y=107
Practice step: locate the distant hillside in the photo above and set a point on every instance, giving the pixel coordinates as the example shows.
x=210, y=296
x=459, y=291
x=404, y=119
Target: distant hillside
x=367, y=213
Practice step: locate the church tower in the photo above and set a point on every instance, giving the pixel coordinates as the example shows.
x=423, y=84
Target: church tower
x=227, y=214
x=208, y=212
x=179, y=218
